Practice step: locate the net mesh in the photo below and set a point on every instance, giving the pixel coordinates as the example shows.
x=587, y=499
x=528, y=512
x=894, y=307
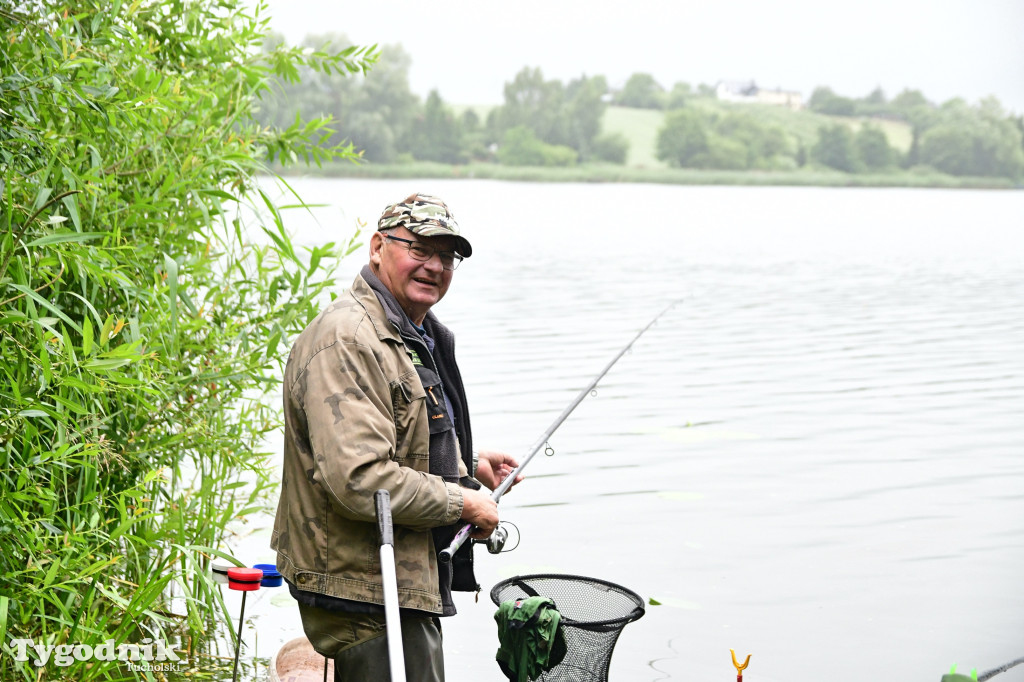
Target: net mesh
x=594, y=612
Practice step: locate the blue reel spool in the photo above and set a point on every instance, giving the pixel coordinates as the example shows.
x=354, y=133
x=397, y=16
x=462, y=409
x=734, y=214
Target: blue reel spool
x=271, y=576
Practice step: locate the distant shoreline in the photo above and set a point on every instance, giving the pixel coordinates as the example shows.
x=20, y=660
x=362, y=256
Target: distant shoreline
x=670, y=176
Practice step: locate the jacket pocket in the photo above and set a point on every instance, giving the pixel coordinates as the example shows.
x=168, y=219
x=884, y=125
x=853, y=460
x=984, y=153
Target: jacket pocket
x=412, y=431
x=437, y=412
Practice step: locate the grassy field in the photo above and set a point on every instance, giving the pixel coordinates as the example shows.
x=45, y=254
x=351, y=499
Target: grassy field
x=640, y=127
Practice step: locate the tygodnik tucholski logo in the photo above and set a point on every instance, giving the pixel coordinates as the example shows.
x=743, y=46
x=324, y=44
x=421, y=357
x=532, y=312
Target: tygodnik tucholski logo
x=148, y=655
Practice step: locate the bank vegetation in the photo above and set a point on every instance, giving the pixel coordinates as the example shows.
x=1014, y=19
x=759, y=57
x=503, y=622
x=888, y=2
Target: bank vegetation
x=148, y=290
x=579, y=130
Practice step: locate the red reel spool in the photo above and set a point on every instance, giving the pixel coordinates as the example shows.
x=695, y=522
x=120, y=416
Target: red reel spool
x=244, y=579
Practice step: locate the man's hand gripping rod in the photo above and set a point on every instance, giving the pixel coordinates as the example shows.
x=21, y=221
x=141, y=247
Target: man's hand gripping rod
x=447, y=553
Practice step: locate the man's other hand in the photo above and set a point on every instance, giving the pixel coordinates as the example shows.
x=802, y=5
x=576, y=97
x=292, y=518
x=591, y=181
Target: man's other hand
x=494, y=467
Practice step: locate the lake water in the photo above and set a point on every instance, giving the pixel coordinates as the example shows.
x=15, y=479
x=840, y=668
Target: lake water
x=816, y=457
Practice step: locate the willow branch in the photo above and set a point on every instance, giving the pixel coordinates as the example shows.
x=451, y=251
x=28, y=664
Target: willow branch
x=21, y=231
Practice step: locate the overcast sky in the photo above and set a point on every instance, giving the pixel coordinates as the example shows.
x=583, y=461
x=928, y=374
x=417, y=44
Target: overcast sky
x=469, y=49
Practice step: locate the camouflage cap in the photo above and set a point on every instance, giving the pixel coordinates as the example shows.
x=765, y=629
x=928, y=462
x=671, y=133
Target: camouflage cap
x=426, y=216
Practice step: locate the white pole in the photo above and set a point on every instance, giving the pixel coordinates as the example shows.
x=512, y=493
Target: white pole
x=382, y=501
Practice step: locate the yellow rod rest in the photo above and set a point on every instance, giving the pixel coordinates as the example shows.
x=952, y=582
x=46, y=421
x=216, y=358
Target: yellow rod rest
x=739, y=668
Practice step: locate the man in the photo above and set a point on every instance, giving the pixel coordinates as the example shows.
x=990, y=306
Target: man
x=373, y=399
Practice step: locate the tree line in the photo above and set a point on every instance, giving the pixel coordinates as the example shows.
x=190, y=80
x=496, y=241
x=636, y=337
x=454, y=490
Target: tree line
x=955, y=138
x=542, y=122
x=545, y=122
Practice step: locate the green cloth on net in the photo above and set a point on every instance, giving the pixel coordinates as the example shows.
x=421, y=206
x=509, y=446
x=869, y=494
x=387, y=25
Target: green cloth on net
x=530, y=637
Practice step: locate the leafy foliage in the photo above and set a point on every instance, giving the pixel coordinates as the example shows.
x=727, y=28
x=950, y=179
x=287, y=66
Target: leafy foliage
x=873, y=148
x=147, y=289
x=611, y=147
x=533, y=103
x=584, y=109
x=437, y=134
x=522, y=148
x=683, y=137
x=641, y=91
x=566, y=116
x=377, y=107
x=677, y=97
x=954, y=138
x=824, y=101
x=691, y=138
x=983, y=141
x=835, y=148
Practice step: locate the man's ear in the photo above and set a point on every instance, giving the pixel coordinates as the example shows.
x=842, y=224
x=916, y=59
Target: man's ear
x=376, y=246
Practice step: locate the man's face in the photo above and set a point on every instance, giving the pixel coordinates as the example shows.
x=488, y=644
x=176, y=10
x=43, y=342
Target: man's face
x=417, y=285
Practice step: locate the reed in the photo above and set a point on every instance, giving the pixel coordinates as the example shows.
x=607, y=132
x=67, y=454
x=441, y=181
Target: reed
x=148, y=289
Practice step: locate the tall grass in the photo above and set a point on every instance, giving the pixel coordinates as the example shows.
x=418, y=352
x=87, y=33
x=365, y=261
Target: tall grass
x=141, y=323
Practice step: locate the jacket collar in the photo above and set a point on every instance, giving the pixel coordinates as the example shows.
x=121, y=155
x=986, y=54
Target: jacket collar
x=399, y=323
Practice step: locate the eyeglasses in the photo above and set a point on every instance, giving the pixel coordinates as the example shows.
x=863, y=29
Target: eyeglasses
x=421, y=252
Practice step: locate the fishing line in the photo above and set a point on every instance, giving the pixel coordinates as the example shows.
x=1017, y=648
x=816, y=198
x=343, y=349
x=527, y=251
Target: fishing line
x=446, y=554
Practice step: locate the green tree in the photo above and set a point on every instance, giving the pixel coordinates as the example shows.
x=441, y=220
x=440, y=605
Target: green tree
x=378, y=108
x=383, y=97
x=835, y=148
x=801, y=154
x=683, y=136
x=584, y=109
x=568, y=116
x=914, y=108
x=948, y=149
x=147, y=289
x=611, y=147
x=876, y=96
x=909, y=100
x=304, y=91
x=678, y=96
x=763, y=143
x=722, y=153
x=641, y=91
x=874, y=104
x=535, y=103
x=873, y=148
x=824, y=101
x=474, y=138
x=981, y=141
x=437, y=134
x=521, y=147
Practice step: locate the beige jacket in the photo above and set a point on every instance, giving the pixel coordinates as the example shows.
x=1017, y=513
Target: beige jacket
x=356, y=421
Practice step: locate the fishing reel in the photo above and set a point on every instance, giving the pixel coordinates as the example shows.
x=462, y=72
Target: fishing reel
x=496, y=542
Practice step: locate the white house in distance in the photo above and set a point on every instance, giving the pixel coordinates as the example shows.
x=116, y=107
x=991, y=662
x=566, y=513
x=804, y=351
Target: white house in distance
x=748, y=92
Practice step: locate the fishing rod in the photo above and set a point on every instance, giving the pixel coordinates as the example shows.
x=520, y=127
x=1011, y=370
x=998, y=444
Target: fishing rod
x=447, y=553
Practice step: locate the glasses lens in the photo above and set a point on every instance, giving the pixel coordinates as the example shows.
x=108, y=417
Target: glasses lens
x=420, y=252
x=450, y=260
